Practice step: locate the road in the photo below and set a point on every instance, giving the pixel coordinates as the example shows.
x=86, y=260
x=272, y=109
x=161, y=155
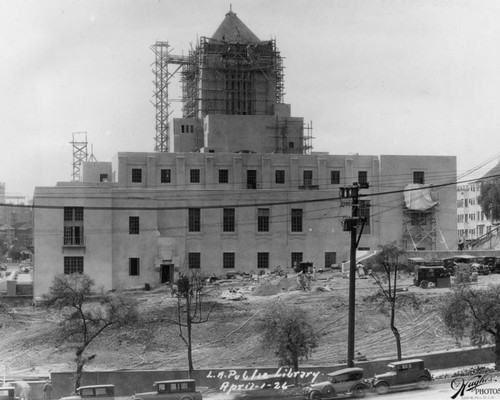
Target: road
x=437, y=391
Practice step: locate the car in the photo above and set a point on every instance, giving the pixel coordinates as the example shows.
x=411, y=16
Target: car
x=103, y=392
x=344, y=382
x=8, y=393
x=403, y=374
x=177, y=389
x=437, y=275
x=493, y=264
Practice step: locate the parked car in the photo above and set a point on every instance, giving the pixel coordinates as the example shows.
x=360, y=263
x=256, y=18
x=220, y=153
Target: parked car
x=8, y=393
x=478, y=266
x=103, y=392
x=179, y=389
x=493, y=264
x=436, y=275
x=344, y=382
x=402, y=374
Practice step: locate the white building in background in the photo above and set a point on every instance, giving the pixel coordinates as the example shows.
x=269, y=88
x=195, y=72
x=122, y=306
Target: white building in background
x=472, y=224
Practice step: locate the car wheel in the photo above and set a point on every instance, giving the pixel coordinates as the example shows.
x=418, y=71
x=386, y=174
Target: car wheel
x=382, y=388
x=359, y=391
x=424, y=284
x=315, y=396
x=423, y=382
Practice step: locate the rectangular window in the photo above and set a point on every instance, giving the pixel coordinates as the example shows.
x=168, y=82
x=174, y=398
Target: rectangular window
x=296, y=258
x=251, y=179
x=364, y=212
x=263, y=219
x=308, y=178
x=136, y=175
x=262, y=260
x=335, y=177
x=228, y=220
x=194, y=260
x=362, y=177
x=103, y=177
x=296, y=220
x=194, y=219
x=133, y=225
x=73, y=265
x=73, y=226
x=194, y=176
x=291, y=145
x=227, y=260
x=280, y=176
x=133, y=267
x=419, y=177
x=165, y=176
x=330, y=259
x=223, y=176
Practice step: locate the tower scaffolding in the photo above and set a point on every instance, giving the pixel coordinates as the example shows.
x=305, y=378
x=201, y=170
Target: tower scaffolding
x=163, y=58
x=80, y=153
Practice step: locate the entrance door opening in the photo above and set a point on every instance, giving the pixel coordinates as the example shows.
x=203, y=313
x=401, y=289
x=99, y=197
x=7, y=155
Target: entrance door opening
x=166, y=271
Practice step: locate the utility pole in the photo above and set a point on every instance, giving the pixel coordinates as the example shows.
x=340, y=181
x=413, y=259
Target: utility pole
x=351, y=224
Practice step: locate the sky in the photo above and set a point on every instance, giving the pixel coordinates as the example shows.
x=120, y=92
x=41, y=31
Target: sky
x=416, y=77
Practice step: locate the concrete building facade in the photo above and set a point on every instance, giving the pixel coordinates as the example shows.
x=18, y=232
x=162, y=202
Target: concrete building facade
x=241, y=191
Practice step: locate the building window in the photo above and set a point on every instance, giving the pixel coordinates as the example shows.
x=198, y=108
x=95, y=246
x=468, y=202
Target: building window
x=364, y=212
x=291, y=145
x=133, y=267
x=227, y=260
x=194, y=219
x=194, y=176
x=103, y=177
x=296, y=259
x=194, y=260
x=228, y=220
x=308, y=178
x=335, y=177
x=280, y=176
x=362, y=177
x=330, y=259
x=419, y=177
x=73, y=265
x=223, y=176
x=165, y=176
x=296, y=220
x=136, y=175
x=262, y=260
x=73, y=226
x=133, y=225
x=251, y=179
x=263, y=219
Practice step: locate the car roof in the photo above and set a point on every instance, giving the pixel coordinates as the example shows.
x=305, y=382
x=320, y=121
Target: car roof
x=345, y=371
x=416, y=259
x=94, y=386
x=175, y=381
x=406, y=361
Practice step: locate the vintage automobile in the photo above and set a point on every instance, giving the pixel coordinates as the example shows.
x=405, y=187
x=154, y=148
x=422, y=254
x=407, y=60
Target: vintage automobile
x=403, y=374
x=492, y=263
x=344, y=382
x=179, y=389
x=103, y=392
x=8, y=393
x=436, y=275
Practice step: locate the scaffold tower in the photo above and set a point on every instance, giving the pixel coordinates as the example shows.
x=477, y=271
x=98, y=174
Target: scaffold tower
x=80, y=153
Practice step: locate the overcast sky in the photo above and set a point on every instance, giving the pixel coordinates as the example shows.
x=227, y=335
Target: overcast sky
x=374, y=76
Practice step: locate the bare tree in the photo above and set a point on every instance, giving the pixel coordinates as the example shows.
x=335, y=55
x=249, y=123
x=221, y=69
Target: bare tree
x=191, y=309
x=288, y=331
x=86, y=315
x=474, y=313
x=386, y=264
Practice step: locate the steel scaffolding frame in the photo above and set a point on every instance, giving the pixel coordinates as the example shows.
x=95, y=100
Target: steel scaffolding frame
x=80, y=153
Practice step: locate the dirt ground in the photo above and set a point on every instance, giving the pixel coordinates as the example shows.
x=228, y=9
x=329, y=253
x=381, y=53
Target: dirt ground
x=229, y=338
